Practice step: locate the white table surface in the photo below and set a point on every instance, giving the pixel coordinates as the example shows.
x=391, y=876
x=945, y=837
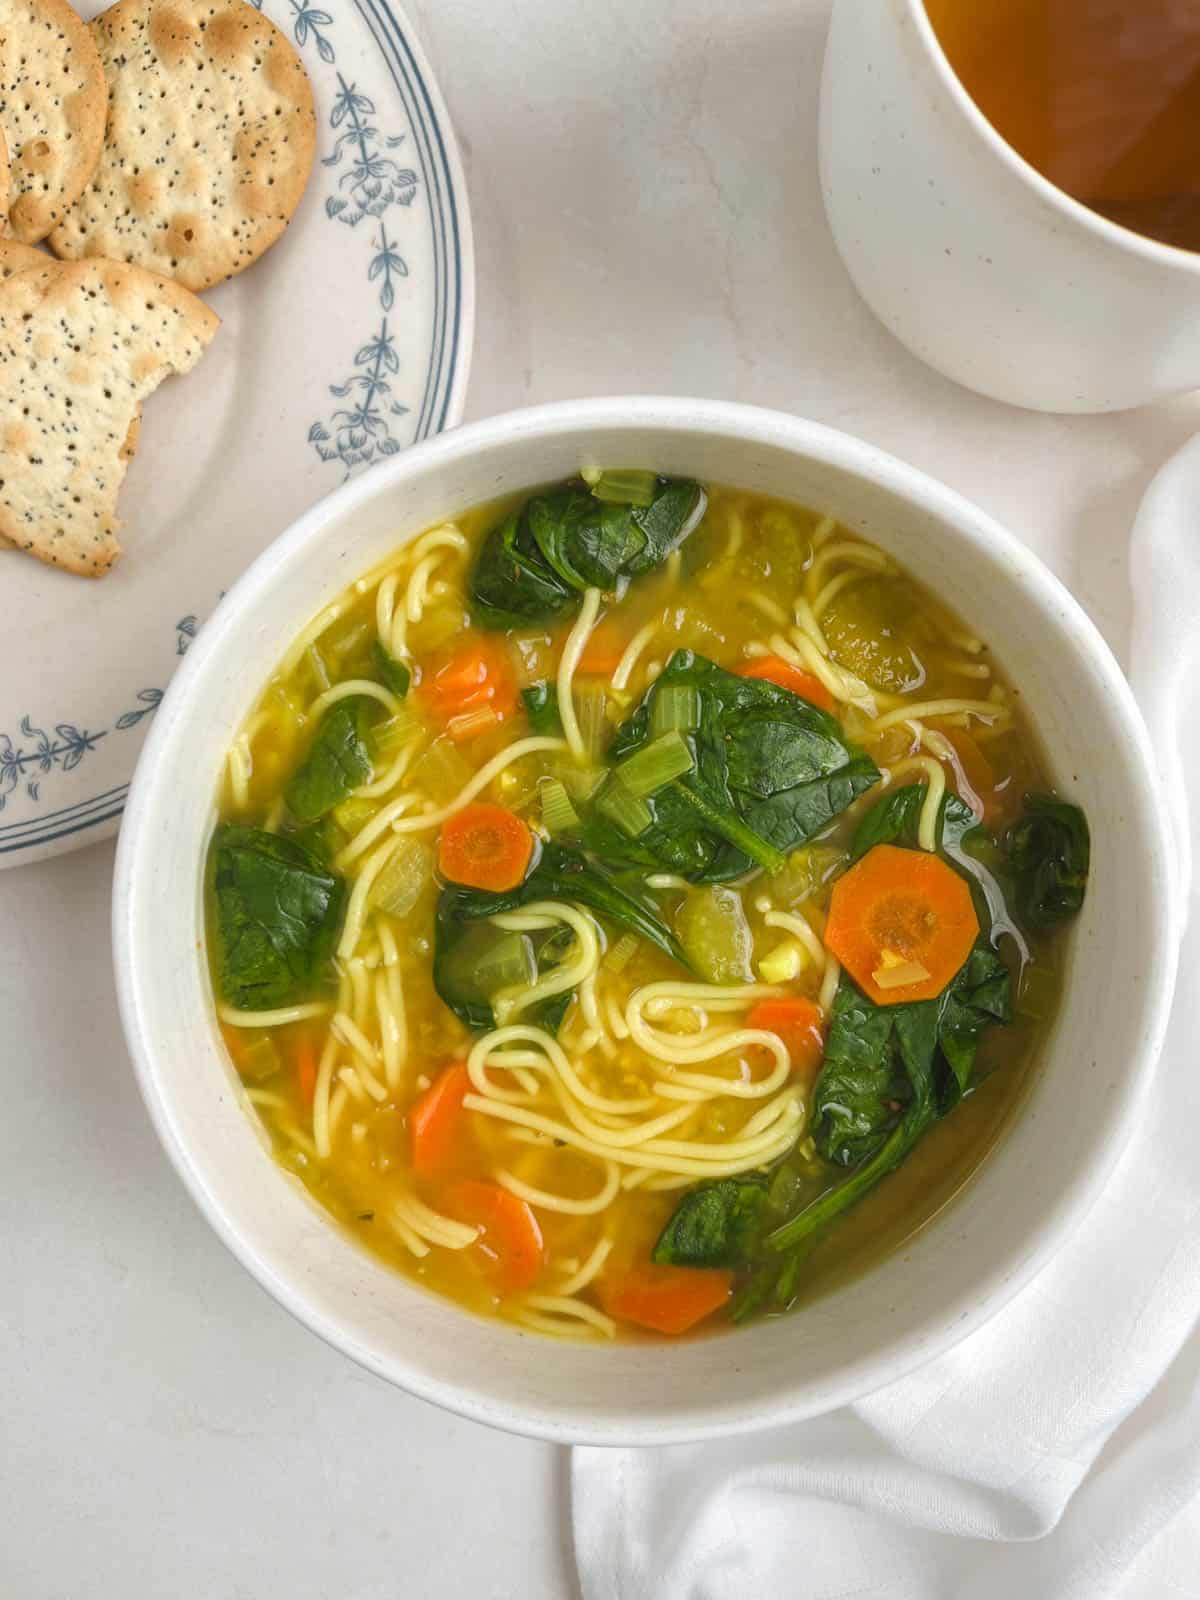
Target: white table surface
x=647, y=217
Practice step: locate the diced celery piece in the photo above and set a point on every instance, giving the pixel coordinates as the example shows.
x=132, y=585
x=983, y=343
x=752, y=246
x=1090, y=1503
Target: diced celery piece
x=558, y=814
x=348, y=641
x=628, y=487
x=318, y=672
x=676, y=710
x=622, y=953
x=398, y=887
x=387, y=738
x=439, y=625
x=655, y=765
x=580, y=783
x=259, y=1058
x=627, y=811
x=353, y=814
x=591, y=713
x=472, y=972
x=508, y=963
x=440, y=772
x=712, y=927
x=808, y=872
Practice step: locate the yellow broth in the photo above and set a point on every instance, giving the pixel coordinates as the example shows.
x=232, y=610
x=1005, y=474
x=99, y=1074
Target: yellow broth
x=730, y=594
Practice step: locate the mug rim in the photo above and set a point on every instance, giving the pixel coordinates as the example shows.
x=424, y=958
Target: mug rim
x=1115, y=233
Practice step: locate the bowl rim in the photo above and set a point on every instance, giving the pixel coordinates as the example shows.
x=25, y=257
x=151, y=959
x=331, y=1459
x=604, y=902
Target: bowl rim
x=942, y=1329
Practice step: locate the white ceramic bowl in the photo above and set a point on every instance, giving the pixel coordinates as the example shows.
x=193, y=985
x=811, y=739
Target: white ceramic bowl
x=961, y=1269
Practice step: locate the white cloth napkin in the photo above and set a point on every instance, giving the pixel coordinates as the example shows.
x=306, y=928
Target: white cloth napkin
x=1039, y=1458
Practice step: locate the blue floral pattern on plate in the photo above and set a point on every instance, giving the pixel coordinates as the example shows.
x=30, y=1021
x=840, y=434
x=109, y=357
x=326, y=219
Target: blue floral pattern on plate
x=382, y=144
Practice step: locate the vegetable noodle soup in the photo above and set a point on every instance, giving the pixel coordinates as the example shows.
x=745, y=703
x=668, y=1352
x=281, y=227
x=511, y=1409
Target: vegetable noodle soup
x=635, y=907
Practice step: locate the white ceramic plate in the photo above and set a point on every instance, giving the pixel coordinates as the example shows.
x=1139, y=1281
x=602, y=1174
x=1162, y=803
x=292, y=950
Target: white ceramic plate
x=350, y=340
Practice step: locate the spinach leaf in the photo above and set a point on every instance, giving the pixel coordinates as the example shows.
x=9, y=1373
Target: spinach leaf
x=895, y=818
x=338, y=760
x=560, y=873
x=511, y=584
x=587, y=543
x=889, y=1073
x=541, y=706
x=322, y=839
x=673, y=514
x=393, y=674
x=714, y=1225
x=1049, y=853
x=863, y=1086
x=771, y=771
x=897, y=1144
x=537, y=563
x=981, y=994
x=278, y=910
x=593, y=543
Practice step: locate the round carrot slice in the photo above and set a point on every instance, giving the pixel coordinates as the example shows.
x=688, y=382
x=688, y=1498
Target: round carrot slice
x=485, y=847
x=901, y=923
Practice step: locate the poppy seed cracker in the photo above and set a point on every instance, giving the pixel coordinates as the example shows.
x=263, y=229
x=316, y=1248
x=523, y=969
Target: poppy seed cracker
x=82, y=344
x=210, y=141
x=53, y=105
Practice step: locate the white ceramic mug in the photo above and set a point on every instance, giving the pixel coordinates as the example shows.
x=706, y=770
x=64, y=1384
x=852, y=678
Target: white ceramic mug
x=975, y=261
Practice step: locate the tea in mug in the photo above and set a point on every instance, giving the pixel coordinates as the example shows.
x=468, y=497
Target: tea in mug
x=1101, y=96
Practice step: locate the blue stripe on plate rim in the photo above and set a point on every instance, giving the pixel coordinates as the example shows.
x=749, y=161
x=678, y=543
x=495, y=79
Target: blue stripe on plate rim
x=446, y=361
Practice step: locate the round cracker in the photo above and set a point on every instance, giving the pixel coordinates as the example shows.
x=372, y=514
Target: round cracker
x=53, y=105
x=211, y=136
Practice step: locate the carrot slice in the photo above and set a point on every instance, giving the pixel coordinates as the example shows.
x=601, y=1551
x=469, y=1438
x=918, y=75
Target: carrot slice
x=797, y=1021
x=776, y=670
x=511, y=1240
x=666, y=1299
x=435, y=1121
x=902, y=923
x=477, y=677
x=306, y=1071
x=485, y=847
